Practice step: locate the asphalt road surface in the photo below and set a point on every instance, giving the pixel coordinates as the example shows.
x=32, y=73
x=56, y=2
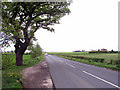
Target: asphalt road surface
x=70, y=74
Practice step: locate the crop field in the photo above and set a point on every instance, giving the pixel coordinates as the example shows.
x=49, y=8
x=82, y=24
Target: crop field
x=109, y=60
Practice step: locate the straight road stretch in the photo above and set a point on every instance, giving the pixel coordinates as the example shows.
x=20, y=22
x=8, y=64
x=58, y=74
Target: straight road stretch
x=71, y=74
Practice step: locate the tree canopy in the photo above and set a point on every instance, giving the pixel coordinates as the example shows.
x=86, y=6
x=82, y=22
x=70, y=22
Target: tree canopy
x=22, y=19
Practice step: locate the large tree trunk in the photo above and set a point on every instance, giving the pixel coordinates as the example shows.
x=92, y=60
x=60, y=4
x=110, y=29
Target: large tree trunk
x=19, y=54
x=19, y=58
x=19, y=50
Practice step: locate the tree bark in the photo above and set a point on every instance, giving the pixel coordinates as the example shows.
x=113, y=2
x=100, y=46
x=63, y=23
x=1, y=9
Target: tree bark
x=19, y=55
x=20, y=48
x=19, y=58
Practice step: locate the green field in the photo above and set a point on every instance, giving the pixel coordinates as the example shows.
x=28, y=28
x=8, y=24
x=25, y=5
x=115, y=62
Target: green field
x=107, y=56
x=11, y=76
x=109, y=60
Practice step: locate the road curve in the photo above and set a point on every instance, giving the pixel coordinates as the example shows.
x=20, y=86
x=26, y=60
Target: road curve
x=70, y=74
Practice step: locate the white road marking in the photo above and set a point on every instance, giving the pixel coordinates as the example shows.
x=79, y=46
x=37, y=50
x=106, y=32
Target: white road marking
x=60, y=61
x=101, y=79
x=70, y=65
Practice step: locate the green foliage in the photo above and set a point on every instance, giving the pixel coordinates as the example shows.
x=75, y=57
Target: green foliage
x=35, y=51
x=22, y=19
x=38, y=58
x=11, y=76
x=28, y=61
x=7, y=60
x=85, y=58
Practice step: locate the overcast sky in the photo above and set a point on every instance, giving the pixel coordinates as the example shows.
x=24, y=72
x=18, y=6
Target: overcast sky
x=91, y=25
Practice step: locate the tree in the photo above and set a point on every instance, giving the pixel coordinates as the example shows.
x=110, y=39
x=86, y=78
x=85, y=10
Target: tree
x=20, y=20
x=35, y=50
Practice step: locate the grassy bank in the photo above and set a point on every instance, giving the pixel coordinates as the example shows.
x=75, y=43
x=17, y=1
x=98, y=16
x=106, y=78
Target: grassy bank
x=107, y=60
x=11, y=75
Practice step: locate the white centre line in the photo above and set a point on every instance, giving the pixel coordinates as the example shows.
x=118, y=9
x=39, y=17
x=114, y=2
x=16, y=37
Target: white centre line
x=101, y=79
x=70, y=65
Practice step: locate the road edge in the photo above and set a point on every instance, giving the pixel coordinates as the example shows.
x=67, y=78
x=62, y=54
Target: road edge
x=54, y=88
x=49, y=80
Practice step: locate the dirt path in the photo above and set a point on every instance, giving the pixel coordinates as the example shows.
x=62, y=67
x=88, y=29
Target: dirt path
x=37, y=76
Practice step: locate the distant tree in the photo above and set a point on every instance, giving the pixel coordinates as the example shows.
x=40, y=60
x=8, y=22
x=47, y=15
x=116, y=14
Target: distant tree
x=20, y=20
x=8, y=52
x=98, y=49
x=112, y=50
x=77, y=51
x=35, y=50
x=83, y=50
x=12, y=51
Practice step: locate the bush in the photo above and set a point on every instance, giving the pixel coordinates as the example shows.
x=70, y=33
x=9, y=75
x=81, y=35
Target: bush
x=117, y=62
x=7, y=60
x=36, y=51
x=98, y=51
x=101, y=60
x=38, y=58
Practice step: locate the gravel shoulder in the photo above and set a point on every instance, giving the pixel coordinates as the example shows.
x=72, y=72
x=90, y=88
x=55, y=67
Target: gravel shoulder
x=37, y=76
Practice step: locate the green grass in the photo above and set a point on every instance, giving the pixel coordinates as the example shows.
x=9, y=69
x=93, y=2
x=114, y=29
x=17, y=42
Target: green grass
x=113, y=67
x=11, y=75
x=70, y=53
x=106, y=56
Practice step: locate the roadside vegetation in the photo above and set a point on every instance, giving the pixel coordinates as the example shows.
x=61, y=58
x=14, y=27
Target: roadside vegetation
x=107, y=60
x=11, y=74
x=24, y=20
x=19, y=27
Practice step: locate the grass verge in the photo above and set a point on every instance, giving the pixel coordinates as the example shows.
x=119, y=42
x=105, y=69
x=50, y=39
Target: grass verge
x=11, y=75
x=113, y=67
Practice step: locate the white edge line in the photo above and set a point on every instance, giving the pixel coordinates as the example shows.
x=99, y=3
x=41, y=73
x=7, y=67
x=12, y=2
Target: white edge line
x=101, y=79
x=70, y=65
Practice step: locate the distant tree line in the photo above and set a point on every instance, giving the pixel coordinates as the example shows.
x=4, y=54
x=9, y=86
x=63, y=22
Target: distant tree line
x=99, y=51
x=103, y=51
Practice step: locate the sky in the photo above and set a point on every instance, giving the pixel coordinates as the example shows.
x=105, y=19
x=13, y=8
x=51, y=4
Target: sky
x=91, y=25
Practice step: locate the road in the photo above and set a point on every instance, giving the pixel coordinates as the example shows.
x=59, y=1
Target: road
x=70, y=74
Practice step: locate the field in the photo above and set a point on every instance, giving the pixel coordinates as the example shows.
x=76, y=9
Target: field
x=108, y=60
x=11, y=76
x=106, y=56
